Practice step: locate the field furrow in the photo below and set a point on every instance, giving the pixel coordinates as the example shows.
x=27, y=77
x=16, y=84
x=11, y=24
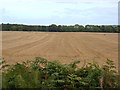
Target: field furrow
x=61, y=46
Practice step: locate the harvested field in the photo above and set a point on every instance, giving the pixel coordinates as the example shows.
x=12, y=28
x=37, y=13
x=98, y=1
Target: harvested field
x=61, y=46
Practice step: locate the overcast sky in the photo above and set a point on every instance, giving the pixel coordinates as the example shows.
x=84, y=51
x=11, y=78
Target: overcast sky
x=68, y=12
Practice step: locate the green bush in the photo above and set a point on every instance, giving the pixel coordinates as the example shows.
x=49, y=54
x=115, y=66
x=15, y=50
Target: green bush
x=42, y=74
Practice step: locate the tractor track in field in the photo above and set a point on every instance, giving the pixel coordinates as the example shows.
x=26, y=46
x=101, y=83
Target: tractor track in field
x=61, y=46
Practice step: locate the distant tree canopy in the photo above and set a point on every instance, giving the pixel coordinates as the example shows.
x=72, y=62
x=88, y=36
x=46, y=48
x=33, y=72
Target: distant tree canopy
x=61, y=28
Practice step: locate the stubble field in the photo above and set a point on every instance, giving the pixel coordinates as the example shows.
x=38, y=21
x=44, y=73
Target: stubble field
x=60, y=46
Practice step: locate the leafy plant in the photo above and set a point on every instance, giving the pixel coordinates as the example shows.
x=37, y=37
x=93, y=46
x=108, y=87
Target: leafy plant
x=42, y=74
x=109, y=75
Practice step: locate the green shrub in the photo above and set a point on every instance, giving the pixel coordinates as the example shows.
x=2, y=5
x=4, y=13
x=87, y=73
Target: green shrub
x=41, y=73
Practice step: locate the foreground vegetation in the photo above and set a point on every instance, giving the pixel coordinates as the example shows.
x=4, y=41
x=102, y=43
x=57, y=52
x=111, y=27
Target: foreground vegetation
x=62, y=28
x=42, y=74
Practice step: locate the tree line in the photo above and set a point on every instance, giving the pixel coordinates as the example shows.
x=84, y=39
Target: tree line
x=61, y=28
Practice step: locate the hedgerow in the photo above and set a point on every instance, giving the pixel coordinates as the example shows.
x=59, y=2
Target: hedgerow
x=41, y=73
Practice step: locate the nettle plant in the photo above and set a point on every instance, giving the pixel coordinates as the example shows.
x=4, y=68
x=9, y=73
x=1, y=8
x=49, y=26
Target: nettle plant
x=42, y=73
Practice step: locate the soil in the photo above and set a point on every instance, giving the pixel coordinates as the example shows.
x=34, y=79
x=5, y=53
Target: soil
x=65, y=47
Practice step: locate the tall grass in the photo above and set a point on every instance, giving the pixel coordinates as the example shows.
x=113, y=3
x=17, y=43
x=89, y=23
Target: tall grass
x=42, y=74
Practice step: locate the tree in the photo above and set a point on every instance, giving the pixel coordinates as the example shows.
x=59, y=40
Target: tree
x=81, y=27
x=14, y=28
x=53, y=28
